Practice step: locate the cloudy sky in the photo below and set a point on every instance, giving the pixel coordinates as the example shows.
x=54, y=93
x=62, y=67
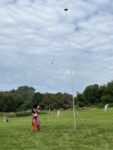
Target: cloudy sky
x=41, y=44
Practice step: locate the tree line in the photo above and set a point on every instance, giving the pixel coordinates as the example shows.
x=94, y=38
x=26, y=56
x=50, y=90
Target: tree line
x=95, y=95
x=25, y=97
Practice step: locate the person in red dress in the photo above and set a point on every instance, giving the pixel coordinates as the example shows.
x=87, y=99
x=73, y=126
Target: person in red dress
x=35, y=118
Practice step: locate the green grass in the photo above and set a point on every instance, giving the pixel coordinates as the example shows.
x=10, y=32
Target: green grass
x=94, y=132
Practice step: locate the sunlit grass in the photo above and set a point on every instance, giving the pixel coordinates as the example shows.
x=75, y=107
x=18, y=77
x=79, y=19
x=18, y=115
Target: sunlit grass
x=94, y=132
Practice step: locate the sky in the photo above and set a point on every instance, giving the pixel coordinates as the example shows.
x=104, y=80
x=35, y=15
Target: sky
x=50, y=49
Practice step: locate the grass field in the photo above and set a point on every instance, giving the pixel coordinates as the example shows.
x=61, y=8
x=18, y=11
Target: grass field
x=94, y=132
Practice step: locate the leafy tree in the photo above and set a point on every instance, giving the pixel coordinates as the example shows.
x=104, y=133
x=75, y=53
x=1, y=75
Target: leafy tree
x=91, y=94
x=36, y=98
x=25, y=95
x=80, y=100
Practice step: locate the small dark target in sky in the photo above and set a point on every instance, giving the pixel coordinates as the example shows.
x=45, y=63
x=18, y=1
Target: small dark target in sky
x=66, y=9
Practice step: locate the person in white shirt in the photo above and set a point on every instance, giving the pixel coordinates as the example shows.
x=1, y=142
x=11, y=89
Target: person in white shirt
x=106, y=107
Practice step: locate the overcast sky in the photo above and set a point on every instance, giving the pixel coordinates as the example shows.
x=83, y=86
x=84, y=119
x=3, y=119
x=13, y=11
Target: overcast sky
x=40, y=44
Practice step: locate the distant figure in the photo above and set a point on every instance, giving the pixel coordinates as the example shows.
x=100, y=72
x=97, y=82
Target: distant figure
x=6, y=118
x=49, y=111
x=106, y=107
x=58, y=114
x=35, y=118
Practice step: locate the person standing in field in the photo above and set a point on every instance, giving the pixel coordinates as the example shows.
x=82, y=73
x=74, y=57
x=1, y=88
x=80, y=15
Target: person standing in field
x=58, y=114
x=35, y=118
x=49, y=111
x=106, y=107
x=5, y=118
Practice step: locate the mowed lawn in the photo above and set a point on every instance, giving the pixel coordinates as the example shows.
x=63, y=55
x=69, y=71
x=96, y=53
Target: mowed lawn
x=94, y=132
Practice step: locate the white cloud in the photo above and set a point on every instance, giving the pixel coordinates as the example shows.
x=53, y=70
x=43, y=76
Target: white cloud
x=34, y=33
